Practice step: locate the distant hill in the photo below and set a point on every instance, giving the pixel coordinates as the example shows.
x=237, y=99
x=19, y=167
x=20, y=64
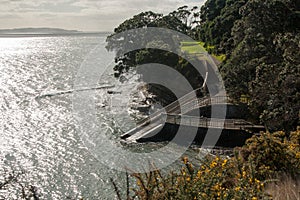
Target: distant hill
x=37, y=31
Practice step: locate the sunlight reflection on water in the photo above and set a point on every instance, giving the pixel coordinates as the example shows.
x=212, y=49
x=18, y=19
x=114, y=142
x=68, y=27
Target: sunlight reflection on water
x=38, y=135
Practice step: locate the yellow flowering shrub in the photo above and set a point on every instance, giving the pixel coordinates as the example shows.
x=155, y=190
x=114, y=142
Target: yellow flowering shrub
x=273, y=153
x=216, y=178
x=246, y=175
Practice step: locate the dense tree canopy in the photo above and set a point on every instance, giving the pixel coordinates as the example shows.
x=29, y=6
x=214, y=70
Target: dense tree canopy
x=261, y=40
x=263, y=60
x=217, y=20
x=181, y=20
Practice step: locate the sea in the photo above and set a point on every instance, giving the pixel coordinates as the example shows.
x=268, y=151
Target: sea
x=40, y=142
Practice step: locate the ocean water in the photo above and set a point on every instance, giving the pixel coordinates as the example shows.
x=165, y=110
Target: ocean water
x=38, y=134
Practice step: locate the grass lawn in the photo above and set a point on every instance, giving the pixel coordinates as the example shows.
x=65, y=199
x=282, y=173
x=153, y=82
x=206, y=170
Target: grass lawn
x=198, y=47
x=193, y=47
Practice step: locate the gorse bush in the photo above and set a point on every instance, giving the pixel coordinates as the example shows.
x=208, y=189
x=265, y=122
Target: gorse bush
x=273, y=153
x=262, y=162
x=216, y=178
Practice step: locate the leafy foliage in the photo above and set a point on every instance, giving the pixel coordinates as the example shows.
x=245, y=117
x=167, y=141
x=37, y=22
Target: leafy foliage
x=273, y=154
x=261, y=41
x=180, y=20
x=217, y=20
x=264, y=160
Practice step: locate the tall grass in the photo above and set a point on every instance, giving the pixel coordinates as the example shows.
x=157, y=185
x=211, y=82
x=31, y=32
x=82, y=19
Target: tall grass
x=254, y=172
x=285, y=188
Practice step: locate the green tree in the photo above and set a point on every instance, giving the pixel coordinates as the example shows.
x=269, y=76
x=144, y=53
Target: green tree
x=217, y=20
x=276, y=89
x=263, y=63
x=180, y=21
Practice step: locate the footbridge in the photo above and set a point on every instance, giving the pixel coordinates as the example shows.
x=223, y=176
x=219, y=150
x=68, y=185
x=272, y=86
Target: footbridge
x=176, y=114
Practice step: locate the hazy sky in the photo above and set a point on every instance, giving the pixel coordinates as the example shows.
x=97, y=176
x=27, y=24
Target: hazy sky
x=85, y=15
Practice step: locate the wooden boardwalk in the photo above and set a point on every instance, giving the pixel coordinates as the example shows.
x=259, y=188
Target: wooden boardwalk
x=203, y=122
x=175, y=112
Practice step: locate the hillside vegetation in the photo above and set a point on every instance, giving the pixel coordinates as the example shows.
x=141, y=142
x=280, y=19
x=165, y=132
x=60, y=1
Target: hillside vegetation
x=261, y=40
x=258, y=42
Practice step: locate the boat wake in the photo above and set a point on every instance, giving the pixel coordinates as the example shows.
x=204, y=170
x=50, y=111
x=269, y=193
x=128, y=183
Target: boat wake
x=63, y=92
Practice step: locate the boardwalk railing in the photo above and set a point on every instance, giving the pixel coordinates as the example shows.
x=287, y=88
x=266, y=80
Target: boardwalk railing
x=203, y=102
x=171, y=108
x=185, y=105
x=236, y=124
x=214, y=100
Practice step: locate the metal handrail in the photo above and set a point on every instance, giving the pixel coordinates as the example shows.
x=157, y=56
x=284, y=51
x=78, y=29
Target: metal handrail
x=188, y=103
x=208, y=122
x=175, y=106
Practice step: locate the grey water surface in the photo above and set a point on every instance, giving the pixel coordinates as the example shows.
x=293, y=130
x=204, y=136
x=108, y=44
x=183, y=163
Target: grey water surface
x=38, y=136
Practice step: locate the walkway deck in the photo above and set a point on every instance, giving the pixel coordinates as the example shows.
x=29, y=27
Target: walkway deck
x=175, y=114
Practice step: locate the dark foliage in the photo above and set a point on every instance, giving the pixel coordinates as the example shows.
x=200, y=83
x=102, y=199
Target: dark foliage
x=261, y=41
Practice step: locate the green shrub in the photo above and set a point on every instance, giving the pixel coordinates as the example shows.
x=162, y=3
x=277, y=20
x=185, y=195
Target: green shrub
x=273, y=154
x=261, y=163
